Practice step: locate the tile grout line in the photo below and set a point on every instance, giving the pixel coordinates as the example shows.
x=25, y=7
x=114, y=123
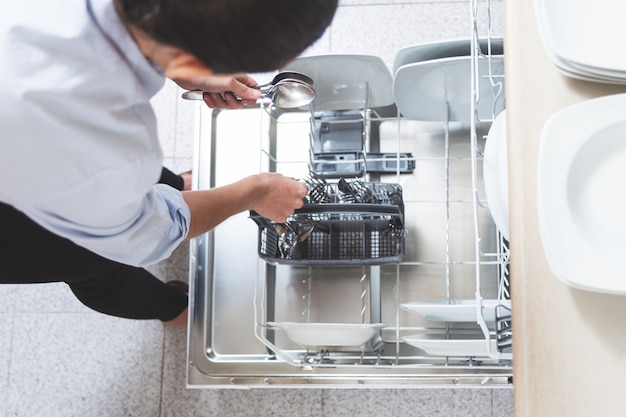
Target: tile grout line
x=162, y=378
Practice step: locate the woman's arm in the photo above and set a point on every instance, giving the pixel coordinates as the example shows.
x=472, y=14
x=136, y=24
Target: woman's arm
x=271, y=195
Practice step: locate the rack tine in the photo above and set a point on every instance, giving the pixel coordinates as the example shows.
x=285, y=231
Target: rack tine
x=363, y=298
x=504, y=330
x=307, y=296
x=317, y=188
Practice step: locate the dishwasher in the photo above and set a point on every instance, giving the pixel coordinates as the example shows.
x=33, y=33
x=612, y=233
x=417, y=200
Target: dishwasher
x=393, y=274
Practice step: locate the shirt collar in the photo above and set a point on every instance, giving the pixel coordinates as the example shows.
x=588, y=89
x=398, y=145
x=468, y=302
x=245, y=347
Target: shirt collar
x=106, y=18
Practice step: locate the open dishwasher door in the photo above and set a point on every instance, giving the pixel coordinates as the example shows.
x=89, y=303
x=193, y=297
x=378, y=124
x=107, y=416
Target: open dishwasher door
x=435, y=316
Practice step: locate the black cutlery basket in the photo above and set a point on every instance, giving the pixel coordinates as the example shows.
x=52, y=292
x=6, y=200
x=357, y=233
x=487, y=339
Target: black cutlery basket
x=343, y=224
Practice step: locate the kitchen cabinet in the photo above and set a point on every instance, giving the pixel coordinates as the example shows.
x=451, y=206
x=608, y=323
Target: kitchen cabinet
x=570, y=344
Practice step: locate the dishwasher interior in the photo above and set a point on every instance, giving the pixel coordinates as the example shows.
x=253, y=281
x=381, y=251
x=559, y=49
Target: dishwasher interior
x=433, y=309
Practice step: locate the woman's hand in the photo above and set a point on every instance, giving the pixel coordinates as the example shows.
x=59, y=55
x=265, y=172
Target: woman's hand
x=224, y=91
x=271, y=195
x=278, y=196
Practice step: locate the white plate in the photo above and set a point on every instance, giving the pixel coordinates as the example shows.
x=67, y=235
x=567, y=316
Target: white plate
x=581, y=206
x=602, y=73
x=452, y=345
x=427, y=90
x=328, y=334
x=572, y=71
x=443, y=49
x=588, y=32
x=345, y=82
x=453, y=311
x=578, y=71
x=496, y=174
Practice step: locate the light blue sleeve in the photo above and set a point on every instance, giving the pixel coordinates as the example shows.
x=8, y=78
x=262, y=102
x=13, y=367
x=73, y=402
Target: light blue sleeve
x=147, y=236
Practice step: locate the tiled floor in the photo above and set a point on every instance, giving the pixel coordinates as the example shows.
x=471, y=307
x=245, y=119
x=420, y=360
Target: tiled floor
x=84, y=364
x=57, y=358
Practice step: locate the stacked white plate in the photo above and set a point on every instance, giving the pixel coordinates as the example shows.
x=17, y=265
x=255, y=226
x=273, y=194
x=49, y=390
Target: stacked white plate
x=452, y=344
x=584, y=38
x=453, y=310
x=581, y=202
x=432, y=82
x=444, y=49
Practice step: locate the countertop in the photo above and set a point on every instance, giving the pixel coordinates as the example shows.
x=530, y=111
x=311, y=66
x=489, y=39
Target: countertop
x=570, y=345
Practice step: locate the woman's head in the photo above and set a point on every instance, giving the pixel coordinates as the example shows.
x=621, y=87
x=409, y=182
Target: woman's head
x=231, y=36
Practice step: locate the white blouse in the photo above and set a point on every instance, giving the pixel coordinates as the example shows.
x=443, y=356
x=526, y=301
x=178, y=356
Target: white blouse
x=79, y=152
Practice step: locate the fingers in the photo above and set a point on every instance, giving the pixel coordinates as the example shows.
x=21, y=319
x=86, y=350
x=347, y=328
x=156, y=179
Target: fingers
x=281, y=196
x=232, y=102
x=222, y=101
x=294, y=200
x=225, y=91
x=241, y=85
x=302, y=190
x=210, y=100
x=226, y=100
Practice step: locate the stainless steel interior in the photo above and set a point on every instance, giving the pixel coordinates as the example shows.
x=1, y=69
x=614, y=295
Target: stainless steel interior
x=452, y=251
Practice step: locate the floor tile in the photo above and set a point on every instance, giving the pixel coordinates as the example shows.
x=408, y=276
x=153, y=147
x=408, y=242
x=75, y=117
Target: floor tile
x=414, y=402
x=176, y=399
x=262, y=402
x=358, y=402
x=159, y=269
x=319, y=47
x=169, y=162
x=185, y=126
x=93, y=365
x=449, y=402
x=7, y=298
x=177, y=265
x=6, y=327
x=503, y=405
x=53, y=297
x=182, y=164
x=259, y=402
x=359, y=30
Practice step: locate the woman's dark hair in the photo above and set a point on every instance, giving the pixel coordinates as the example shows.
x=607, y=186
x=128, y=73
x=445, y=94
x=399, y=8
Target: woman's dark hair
x=233, y=35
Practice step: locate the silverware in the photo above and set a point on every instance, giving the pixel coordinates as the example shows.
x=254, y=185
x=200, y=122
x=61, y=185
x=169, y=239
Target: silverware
x=289, y=236
x=286, y=90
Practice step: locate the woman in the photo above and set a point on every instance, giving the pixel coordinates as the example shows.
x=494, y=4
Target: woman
x=79, y=141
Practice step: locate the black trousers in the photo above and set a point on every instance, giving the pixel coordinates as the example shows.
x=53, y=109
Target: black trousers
x=31, y=254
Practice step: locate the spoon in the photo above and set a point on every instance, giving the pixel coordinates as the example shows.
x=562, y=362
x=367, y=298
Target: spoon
x=286, y=90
